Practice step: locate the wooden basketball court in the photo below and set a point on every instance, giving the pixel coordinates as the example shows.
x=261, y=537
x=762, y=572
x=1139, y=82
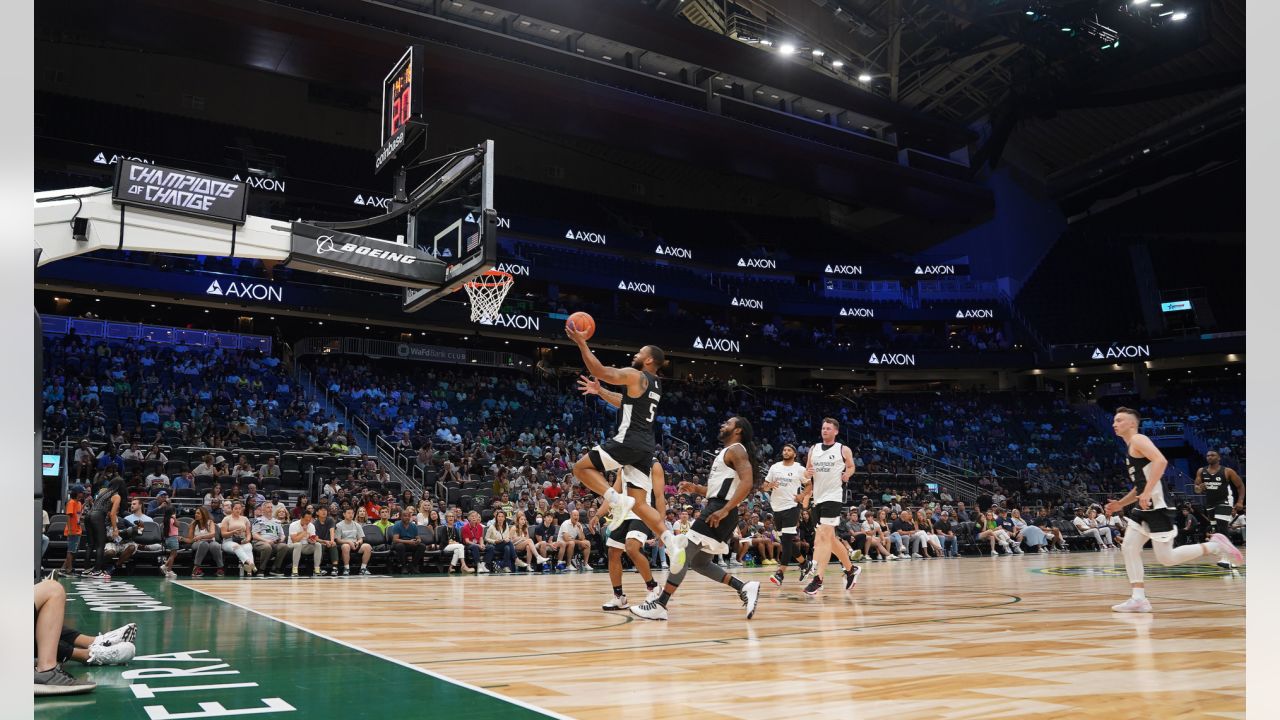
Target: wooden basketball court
x=976, y=637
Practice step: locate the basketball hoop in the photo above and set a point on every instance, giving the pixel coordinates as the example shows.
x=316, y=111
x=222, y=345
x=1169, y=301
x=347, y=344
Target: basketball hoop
x=487, y=291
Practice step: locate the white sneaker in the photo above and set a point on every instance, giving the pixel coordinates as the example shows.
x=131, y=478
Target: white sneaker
x=126, y=633
x=483, y=570
x=654, y=594
x=116, y=654
x=1018, y=549
x=521, y=564
x=995, y=554
x=617, y=602
x=916, y=556
x=1133, y=605
x=895, y=557
x=1044, y=550
x=618, y=512
x=735, y=562
x=750, y=594
x=676, y=553
x=649, y=611
x=1236, y=557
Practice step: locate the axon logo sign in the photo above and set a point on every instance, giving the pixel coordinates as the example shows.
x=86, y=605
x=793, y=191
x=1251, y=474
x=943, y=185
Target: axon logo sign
x=586, y=237
x=1121, y=351
x=760, y=263
x=935, y=269
x=262, y=183
x=844, y=270
x=513, y=269
x=325, y=245
x=640, y=287
x=519, y=322
x=980, y=314
x=858, y=312
x=673, y=251
x=102, y=159
x=718, y=344
x=902, y=359
x=503, y=223
x=244, y=290
x=383, y=203
x=749, y=303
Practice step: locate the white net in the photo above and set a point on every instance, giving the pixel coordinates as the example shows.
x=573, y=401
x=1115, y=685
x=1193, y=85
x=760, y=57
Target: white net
x=487, y=291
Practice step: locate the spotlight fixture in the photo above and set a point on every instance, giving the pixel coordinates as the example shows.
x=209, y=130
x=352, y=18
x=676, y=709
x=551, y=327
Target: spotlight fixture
x=864, y=77
x=1179, y=16
x=817, y=52
x=787, y=48
x=837, y=64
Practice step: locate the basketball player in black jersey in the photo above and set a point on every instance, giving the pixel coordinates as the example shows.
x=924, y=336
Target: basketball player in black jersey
x=630, y=537
x=633, y=442
x=1216, y=483
x=1152, y=519
x=731, y=479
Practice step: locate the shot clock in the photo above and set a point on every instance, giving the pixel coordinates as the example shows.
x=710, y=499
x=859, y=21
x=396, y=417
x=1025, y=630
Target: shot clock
x=402, y=122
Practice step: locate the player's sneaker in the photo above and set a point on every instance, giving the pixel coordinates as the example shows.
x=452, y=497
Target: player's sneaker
x=58, y=682
x=617, y=602
x=649, y=611
x=814, y=587
x=777, y=578
x=1232, y=552
x=618, y=512
x=676, y=553
x=126, y=633
x=654, y=594
x=805, y=571
x=1133, y=605
x=1225, y=565
x=750, y=594
x=851, y=576
x=117, y=654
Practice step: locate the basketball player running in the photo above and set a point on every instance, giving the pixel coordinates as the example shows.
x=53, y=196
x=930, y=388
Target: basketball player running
x=631, y=537
x=730, y=481
x=632, y=444
x=1215, y=483
x=1153, y=519
x=783, y=483
x=830, y=465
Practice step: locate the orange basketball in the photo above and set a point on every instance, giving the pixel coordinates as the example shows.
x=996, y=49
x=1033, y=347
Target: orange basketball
x=584, y=323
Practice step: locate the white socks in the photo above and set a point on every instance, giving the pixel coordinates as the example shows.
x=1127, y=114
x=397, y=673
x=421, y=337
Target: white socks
x=613, y=496
x=1140, y=593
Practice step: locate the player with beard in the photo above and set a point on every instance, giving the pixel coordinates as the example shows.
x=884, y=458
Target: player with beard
x=1217, y=484
x=1152, y=519
x=632, y=444
x=783, y=483
x=830, y=465
x=732, y=476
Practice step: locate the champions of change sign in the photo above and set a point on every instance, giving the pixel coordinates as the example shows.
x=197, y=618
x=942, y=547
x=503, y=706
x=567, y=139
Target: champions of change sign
x=181, y=192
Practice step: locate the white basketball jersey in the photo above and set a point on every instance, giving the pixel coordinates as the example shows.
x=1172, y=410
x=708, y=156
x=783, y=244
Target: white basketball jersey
x=723, y=480
x=828, y=467
x=788, y=478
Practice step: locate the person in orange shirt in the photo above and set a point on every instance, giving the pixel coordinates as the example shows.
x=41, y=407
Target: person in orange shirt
x=73, y=531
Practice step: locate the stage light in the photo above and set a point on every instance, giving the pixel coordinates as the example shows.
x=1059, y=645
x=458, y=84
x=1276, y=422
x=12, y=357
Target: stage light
x=787, y=48
x=818, y=52
x=1066, y=29
x=837, y=64
x=1031, y=13
x=1179, y=16
x=864, y=77
x=1139, y=2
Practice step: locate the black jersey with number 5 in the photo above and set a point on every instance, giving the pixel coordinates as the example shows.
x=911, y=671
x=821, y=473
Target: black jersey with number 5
x=635, y=421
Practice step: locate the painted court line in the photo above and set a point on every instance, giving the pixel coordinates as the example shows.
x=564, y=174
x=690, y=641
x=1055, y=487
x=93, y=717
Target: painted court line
x=380, y=656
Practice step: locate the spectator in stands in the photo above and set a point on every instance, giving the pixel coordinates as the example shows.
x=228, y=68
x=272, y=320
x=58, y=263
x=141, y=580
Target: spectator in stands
x=1103, y=527
x=547, y=536
x=573, y=538
x=349, y=535
x=237, y=535
x=216, y=511
x=300, y=506
x=270, y=545
x=324, y=533
x=243, y=469
x=524, y=544
x=155, y=456
x=136, y=514
x=499, y=538
x=215, y=493
x=1085, y=528
x=925, y=524
x=252, y=495
x=202, y=536
x=992, y=533
x=303, y=541
x=1009, y=528
x=206, y=468
x=384, y=519
x=183, y=481
x=86, y=461
x=455, y=547
x=947, y=536
x=269, y=470
x=473, y=539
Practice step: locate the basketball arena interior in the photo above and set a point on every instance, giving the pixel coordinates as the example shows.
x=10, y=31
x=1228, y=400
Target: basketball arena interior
x=640, y=358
